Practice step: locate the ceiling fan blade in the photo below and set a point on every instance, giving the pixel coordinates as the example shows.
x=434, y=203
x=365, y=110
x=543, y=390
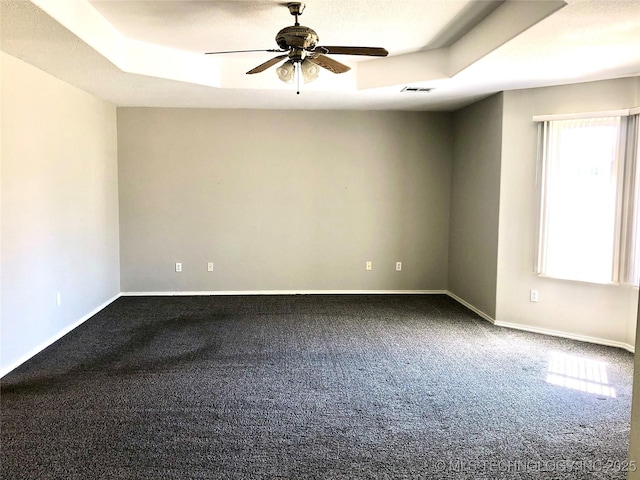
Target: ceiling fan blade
x=369, y=51
x=245, y=51
x=269, y=63
x=329, y=63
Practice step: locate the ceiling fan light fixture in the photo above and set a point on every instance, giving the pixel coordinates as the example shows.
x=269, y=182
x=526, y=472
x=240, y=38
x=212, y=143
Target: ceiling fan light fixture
x=309, y=70
x=306, y=57
x=286, y=71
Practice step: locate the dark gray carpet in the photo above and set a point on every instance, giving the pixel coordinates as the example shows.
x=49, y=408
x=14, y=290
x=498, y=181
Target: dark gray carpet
x=300, y=387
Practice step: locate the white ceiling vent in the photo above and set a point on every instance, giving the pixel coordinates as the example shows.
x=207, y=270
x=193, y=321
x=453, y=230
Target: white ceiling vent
x=417, y=89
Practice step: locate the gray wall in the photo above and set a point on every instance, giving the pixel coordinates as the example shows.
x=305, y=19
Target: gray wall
x=475, y=201
x=603, y=312
x=59, y=208
x=283, y=200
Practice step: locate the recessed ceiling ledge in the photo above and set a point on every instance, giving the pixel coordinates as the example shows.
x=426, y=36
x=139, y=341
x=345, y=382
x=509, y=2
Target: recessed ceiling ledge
x=415, y=67
x=131, y=56
x=507, y=21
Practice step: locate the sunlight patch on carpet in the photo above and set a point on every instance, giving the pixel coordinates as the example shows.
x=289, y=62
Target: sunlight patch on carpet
x=578, y=373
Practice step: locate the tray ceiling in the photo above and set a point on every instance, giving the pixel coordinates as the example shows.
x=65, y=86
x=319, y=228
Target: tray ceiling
x=151, y=53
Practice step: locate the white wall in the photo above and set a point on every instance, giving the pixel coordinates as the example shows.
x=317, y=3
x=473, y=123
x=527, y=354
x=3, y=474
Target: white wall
x=59, y=207
x=283, y=200
x=475, y=201
x=602, y=312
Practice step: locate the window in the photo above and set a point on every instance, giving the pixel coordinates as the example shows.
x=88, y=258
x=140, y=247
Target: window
x=589, y=201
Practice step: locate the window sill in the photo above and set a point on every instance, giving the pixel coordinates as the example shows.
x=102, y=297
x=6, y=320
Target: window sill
x=583, y=282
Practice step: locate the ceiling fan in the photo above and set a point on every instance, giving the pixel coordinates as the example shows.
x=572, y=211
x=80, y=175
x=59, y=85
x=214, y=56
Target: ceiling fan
x=299, y=45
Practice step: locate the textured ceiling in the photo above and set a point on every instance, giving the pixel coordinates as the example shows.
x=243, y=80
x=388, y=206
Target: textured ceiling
x=198, y=26
x=150, y=53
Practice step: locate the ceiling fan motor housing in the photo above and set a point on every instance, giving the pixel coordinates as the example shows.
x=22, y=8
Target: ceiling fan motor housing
x=297, y=37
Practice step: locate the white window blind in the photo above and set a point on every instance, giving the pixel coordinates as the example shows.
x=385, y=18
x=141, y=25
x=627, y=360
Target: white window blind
x=579, y=215
x=630, y=242
x=590, y=197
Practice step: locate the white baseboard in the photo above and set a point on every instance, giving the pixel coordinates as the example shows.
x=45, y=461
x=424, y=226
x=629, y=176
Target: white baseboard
x=284, y=292
x=488, y=318
x=544, y=331
x=55, y=338
x=527, y=328
x=571, y=336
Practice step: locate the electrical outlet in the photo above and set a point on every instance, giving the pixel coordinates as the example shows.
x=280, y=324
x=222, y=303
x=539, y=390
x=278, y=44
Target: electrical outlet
x=369, y=266
x=210, y=267
x=398, y=266
x=533, y=296
x=58, y=299
x=178, y=267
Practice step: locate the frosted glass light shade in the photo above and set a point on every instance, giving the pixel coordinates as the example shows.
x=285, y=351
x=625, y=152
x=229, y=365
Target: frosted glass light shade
x=286, y=71
x=309, y=71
